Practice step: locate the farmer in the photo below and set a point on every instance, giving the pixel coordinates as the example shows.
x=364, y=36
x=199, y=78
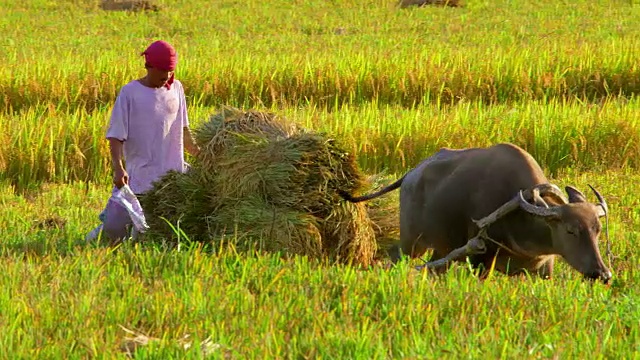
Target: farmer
x=149, y=130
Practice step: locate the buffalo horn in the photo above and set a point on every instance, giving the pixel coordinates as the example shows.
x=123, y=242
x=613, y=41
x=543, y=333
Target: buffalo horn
x=515, y=202
x=552, y=190
x=601, y=200
x=538, y=200
x=536, y=210
x=603, y=204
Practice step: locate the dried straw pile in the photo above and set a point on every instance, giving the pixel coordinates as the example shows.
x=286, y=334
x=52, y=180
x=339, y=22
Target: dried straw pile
x=128, y=5
x=421, y=3
x=264, y=182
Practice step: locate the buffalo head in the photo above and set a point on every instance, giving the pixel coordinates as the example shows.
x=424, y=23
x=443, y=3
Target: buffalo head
x=575, y=229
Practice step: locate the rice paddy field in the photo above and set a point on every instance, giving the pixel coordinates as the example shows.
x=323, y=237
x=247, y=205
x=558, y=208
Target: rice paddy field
x=558, y=78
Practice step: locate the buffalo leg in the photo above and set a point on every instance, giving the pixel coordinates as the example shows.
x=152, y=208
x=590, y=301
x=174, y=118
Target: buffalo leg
x=475, y=245
x=396, y=252
x=545, y=271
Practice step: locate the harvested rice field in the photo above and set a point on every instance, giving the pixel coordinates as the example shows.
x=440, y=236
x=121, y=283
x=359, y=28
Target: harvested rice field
x=253, y=253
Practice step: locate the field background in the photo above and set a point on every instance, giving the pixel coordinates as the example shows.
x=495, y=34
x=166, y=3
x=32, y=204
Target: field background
x=556, y=77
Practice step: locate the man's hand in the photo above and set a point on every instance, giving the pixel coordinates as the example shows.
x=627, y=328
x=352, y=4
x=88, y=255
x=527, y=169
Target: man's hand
x=120, y=178
x=190, y=143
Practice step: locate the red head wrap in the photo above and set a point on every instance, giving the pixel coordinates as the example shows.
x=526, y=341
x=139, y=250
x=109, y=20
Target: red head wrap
x=161, y=55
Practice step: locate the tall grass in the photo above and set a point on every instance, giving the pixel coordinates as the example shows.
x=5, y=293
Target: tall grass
x=325, y=52
x=43, y=144
x=557, y=134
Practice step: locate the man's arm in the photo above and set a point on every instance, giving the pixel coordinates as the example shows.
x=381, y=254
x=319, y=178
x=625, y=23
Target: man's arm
x=120, y=176
x=190, y=143
x=117, y=133
x=116, y=146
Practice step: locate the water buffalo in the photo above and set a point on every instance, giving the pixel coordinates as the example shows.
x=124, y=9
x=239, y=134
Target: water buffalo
x=495, y=203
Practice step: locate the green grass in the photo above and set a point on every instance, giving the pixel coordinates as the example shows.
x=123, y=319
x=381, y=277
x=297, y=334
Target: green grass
x=62, y=299
x=558, y=78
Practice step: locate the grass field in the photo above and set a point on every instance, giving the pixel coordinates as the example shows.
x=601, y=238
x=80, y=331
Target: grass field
x=556, y=77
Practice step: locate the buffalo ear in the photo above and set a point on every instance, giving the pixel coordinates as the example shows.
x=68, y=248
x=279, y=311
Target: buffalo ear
x=600, y=210
x=575, y=195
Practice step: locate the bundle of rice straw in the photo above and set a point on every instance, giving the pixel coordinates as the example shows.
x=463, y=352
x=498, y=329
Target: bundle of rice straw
x=265, y=182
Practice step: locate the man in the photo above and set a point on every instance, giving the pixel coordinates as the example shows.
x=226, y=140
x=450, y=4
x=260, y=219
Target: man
x=149, y=130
